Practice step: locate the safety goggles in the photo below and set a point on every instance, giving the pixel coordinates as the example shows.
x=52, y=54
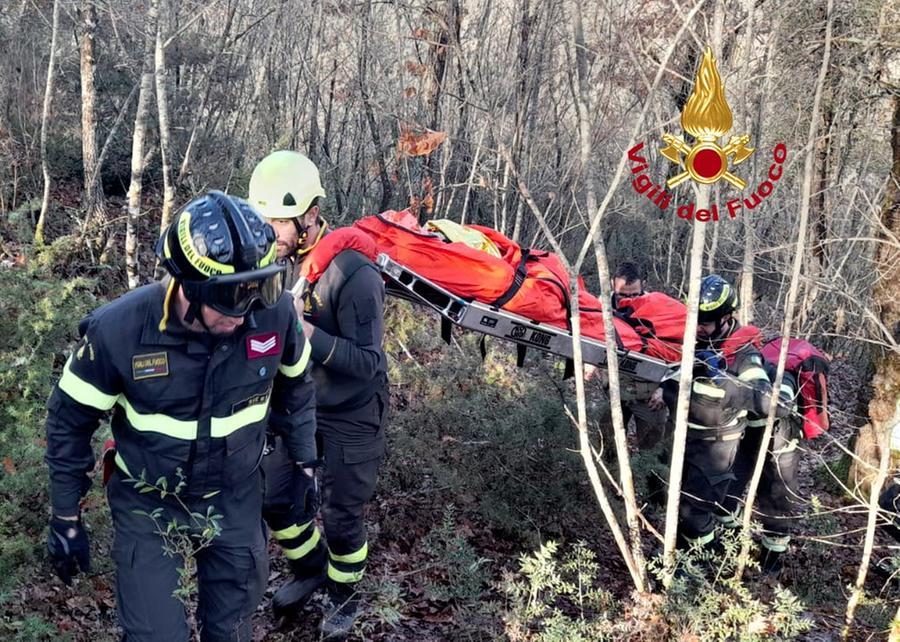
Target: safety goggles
x=235, y=295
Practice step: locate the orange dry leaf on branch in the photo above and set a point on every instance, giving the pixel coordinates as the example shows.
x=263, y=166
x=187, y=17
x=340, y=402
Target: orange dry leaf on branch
x=412, y=144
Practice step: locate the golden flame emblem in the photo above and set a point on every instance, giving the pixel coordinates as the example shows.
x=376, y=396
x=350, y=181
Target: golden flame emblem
x=707, y=117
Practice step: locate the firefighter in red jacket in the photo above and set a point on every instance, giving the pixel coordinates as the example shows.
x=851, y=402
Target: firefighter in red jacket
x=343, y=318
x=730, y=391
x=194, y=370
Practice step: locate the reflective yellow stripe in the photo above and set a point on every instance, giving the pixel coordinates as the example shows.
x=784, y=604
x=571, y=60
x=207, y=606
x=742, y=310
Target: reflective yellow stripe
x=268, y=258
x=177, y=428
x=790, y=447
x=776, y=544
x=742, y=413
x=204, y=264
x=343, y=577
x=300, y=367
x=756, y=423
x=352, y=558
x=753, y=374
x=84, y=392
x=709, y=391
x=223, y=426
x=121, y=464
x=730, y=424
x=712, y=305
x=703, y=540
x=787, y=390
x=308, y=545
x=291, y=531
x=728, y=521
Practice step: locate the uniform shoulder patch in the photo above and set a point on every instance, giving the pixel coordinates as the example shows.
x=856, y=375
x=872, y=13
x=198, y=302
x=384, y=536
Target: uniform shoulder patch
x=263, y=345
x=154, y=364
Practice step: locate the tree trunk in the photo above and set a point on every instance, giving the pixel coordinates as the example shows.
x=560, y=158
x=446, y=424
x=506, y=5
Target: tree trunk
x=793, y=290
x=386, y=188
x=582, y=104
x=745, y=312
x=137, y=148
x=184, y=169
x=92, y=200
x=884, y=409
x=679, y=438
x=162, y=108
x=45, y=118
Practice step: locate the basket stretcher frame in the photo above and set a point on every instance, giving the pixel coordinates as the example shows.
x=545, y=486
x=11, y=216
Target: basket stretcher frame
x=404, y=283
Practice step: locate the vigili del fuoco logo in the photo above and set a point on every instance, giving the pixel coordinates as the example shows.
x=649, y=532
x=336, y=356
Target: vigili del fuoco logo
x=706, y=117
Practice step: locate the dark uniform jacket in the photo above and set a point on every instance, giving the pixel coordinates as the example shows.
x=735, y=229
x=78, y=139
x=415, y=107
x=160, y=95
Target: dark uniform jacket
x=346, y=305
x=180, y=400
x=743, y=391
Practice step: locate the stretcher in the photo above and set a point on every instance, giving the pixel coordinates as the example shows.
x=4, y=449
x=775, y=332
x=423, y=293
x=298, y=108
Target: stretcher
x=404, y=283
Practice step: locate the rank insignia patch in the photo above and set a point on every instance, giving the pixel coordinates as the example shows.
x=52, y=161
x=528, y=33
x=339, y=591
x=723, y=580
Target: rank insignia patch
x=263, y=345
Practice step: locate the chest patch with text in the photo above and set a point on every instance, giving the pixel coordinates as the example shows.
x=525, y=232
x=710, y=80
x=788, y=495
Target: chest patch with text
x=263, y=397
x=145, y=366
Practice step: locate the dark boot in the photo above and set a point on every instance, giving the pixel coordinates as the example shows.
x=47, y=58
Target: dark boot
x=308, y=575
x=771, y=562
x=771, y=553
x=341, y=610
x=293, y=595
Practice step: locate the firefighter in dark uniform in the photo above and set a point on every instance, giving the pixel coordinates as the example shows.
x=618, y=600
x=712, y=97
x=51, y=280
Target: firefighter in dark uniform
x=777, y=500
x=344, y=322
x=193, y=369
x=730, y=385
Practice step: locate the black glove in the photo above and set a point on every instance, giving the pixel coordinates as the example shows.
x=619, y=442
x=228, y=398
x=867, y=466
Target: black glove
x=67, y=545
x=306, y=494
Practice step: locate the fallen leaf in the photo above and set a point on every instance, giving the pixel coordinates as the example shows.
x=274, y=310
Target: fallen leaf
x=412, y=144
x=9, y=466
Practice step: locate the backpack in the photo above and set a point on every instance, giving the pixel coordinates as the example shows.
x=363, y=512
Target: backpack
x=810, y=366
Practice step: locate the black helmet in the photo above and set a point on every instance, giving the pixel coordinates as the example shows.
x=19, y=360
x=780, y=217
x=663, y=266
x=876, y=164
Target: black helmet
x=223, y=254
x=717, y=298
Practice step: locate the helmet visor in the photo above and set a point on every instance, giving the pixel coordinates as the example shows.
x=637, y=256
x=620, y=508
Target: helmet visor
x=236, y=295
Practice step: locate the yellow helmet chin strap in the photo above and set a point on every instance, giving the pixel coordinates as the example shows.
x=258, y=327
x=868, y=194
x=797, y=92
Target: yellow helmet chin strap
x=323, y=227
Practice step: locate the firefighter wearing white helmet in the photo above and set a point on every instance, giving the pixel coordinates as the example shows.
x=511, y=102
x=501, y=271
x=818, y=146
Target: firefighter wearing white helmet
x=343, y=318
x=285, y=187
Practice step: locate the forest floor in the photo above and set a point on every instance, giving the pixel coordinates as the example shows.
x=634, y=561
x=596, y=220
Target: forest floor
x=468, y=488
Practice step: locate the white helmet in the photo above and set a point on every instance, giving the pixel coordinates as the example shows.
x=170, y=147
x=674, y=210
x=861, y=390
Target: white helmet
x=284, y=185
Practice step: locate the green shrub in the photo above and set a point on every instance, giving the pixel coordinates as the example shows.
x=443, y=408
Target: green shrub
x=494, y=435
x=705, y=600
x=462, y=568
x=38, y=314
x=557, y=601
x=560, y=597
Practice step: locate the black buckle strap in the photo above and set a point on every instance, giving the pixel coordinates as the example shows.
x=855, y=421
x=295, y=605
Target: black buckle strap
x=516, y=285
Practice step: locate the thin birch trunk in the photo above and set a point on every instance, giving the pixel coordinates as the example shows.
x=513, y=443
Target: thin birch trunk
x=679, y=438
x=137, y=149
x=584, y=444
x=465, y=206
x=93, y=192
x=386, y=187
x=793, y=289
x=184, y=170
x=45, y=118
x=884, y=409
x=593, y=230
x=745, y=312
x=625, y=476
x=162, y=108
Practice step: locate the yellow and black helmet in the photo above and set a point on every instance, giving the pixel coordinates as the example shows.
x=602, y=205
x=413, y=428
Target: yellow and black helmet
x=222, y=253
x=717, y=299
